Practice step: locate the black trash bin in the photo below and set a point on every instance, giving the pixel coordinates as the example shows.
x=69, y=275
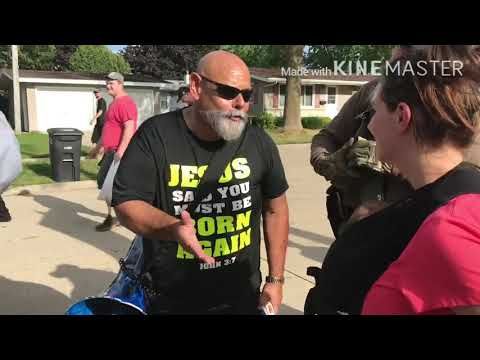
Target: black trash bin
x=65, y=146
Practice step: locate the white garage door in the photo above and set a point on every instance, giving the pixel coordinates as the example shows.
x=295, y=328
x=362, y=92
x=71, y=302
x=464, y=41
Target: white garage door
x=64, y=107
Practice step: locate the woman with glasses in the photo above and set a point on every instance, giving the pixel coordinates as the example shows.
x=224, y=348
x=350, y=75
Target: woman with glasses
x=420, y=254
x=426, y=117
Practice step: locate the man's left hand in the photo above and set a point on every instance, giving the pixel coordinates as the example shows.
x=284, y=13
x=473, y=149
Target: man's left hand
x=272, y=293
x=92, y=154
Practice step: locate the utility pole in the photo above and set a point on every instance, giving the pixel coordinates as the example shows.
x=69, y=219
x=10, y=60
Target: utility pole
x=16, y=90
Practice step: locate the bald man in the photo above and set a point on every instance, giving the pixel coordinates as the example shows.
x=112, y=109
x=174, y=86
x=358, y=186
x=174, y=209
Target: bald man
x=207, y=260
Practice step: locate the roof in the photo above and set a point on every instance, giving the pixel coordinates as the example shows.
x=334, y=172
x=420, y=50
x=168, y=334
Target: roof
x=77, y=75
x=267, y=74
x=262, y=74
x=37, y=76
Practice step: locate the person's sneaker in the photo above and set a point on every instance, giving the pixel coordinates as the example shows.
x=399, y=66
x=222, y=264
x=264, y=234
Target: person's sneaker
x=106, y=225
x=4, y=213
x=5, y=217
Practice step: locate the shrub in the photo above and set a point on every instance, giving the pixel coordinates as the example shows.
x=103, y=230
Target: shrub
x=279, y=121
x=268, y=121
x=315, y=122
x=265, y=120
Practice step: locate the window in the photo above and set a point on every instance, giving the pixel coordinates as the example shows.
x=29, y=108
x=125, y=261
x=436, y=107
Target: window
x=307, y=95
x=163, y=102
x=332, y=95
x=281, y=97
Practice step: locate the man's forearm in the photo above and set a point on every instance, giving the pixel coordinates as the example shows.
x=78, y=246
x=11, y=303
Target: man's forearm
x=128, y=132
x=276, y=227
x=97, y=115
x=146, y=220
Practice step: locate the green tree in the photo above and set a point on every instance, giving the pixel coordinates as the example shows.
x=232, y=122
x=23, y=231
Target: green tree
x=30, y=57
x=97, y=59
x=165, y=61
x=36, y=57
x=62, y=58
x=266, y=56
x=5, y=56
x=319, y=56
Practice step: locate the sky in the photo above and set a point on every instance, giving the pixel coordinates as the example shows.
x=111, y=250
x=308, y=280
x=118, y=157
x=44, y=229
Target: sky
x=116, y=48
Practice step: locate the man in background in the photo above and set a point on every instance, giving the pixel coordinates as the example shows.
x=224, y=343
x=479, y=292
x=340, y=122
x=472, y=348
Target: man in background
x=120, y=125
x=184, y=97
x=99, y=120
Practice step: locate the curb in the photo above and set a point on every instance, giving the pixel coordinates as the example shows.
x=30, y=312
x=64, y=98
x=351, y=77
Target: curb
x=34, y=160
x=64, y=186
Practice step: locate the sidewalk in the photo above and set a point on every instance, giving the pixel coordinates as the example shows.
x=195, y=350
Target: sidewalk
x=51, y=255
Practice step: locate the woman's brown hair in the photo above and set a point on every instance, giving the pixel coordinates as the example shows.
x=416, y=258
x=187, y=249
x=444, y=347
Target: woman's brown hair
x=445, y=104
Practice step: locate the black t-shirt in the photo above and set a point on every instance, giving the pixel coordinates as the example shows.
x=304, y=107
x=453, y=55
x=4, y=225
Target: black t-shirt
x=101, y=105
x=161, y=167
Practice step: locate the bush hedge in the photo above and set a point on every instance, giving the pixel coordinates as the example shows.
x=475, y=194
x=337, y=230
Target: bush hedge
x=315, y=122
x=269, y=121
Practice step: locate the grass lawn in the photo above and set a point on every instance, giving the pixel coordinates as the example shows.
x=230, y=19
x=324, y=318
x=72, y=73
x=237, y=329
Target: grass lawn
x=40, y=172
x=302, y=137
x=35, y=145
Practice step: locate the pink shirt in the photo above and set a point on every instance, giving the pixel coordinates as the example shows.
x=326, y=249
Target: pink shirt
x=120, y=111
x=438, y=270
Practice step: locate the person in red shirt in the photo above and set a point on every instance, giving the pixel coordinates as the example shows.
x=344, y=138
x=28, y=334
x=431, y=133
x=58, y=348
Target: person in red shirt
x=120, y=125
x=426, y=117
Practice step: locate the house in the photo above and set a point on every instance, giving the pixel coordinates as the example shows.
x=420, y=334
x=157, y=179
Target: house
x=322, y=95
x=50, y=99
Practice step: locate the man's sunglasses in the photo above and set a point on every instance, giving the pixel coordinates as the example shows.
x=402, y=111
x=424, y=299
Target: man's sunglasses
x=229, y=92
